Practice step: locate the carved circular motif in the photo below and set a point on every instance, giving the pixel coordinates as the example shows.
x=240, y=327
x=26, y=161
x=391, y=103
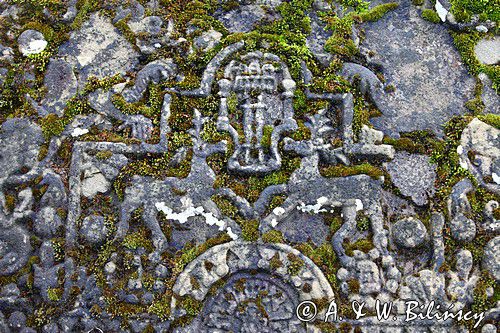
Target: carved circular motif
x=409, y=233
x=252, y=303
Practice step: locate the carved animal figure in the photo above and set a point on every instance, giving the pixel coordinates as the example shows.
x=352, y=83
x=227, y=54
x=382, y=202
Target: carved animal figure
x=154, y=72
x=369, y=84
x=309, y=187
x=197, y=187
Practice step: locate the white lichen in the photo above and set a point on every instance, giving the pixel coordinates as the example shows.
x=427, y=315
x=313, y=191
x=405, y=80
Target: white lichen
x=496, y=178
x=79, y=131
x=441, y=11
x=188, y=211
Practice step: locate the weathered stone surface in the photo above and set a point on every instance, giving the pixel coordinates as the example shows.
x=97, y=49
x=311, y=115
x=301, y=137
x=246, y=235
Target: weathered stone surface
x=207, y=40
x=413, y=175
x=409, y=233
x=94, y=182
x=488, y=51
x=302, y=227
x=491, y=259
x=27, y=137
x=246, y=17
x=489, y=96
x=94, y=229
x=47, y=222
x=419, y=60
x=31, y=42
x=98, y=49
x=61, y=84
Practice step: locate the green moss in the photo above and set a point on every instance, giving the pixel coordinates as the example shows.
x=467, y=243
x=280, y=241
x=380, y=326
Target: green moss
x=324, y=257
x=481, y=302
x=161, y=307
x=126, y=31
x=104, y=155
x=363, y=245
x=353, y=286
x=250, y=230
x=465, y=43
x=357, y=5
x=345, y=171
x=464, y=9
x=362, y=223
x=10, y=202
x=140, y=238
x=85, y=7
x=431, y=16
x=361, y=115
x=190, y=252
x=340, y=42
x=417, y=142
x=275, y=262
x=445, y=156
x=494, y=73
x=273, y=236
x=191, y=305
x=153, y=166
x=40, y=60
x=93, y=83
x=378, y=12
x=42, y=315
x=54, y=294
x=252, y=186
x=295, y=264
x=491, y=119
x=52, y=125
x=226, y=206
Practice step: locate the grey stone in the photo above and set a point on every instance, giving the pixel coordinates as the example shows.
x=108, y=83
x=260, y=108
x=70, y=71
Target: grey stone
x=147, y=298
x=207, y=40
x=15, y=249
x=61, y=85
x=131, y=299
x=489, y=328
x=409, y=233
x=17, y=320
x=31, y=42
x=245, y=18
x=413, y=175
x=47, y=221
x=110, y=267
x=484, y=141
x=28, y=138
x=488, y=51
x=150, y=24
x=316, y=40
x=51, y=328
x=491, y=258
x=134, y=284
x=301, y=227
x=463, y=228
x=161, y=271
x=94, y=182
x=489, y=96
x=153, y=73
x=420, y=60
x=71, y=11
x=482, y=28
x=6, y=53
x=98, y=49
x=94, y=229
